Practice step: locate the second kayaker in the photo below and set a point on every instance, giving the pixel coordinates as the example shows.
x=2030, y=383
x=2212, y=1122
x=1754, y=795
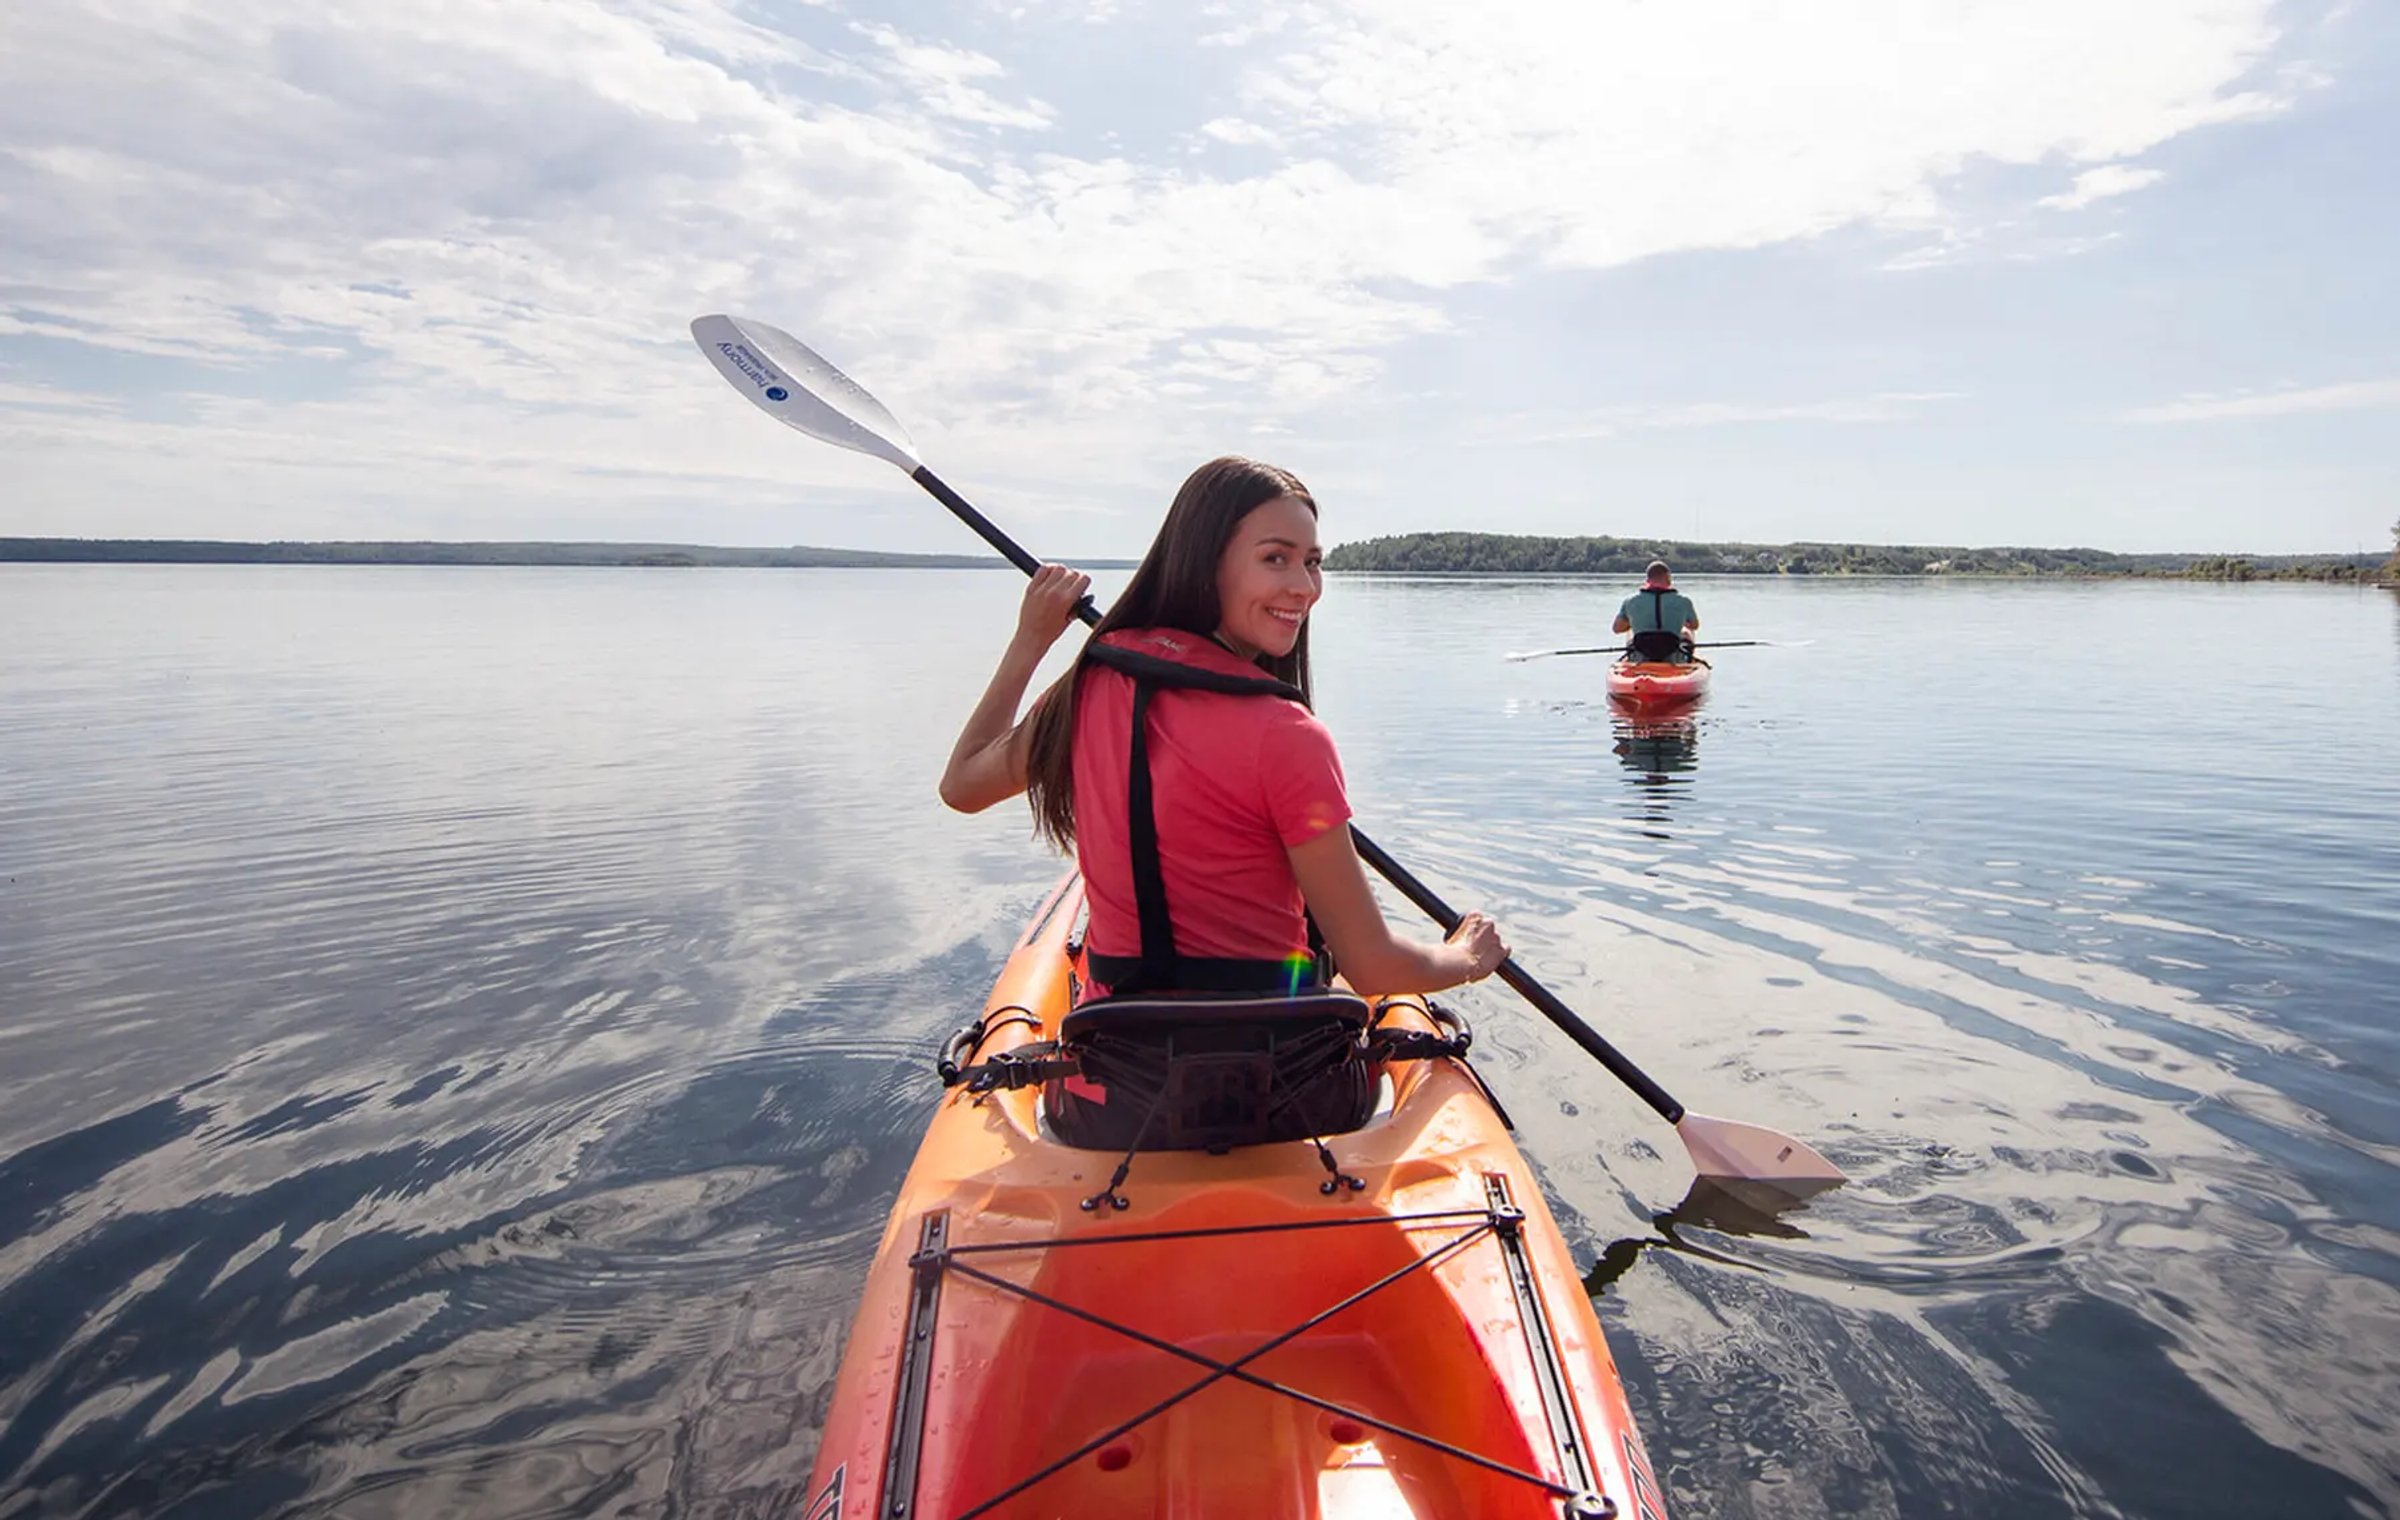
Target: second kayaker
x=1239, y=811
x=1660, y=619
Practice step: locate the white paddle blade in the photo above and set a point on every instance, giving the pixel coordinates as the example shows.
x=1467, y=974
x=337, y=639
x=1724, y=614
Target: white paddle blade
x=1729, y=1150
x=791, y=383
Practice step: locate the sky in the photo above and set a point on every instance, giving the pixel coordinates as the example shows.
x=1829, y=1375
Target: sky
x=1988, y=272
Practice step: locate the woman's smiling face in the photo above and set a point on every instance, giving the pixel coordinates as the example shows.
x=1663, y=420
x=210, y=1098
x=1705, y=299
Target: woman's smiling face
x=1268, y=578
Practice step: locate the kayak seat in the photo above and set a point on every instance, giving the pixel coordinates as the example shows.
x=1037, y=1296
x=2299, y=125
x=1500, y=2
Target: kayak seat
x=1212, y=1071
x=1663, y=648
x=1170, y=1011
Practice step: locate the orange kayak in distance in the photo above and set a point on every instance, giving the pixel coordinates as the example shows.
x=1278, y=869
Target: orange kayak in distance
x=1244, y=1337
x=1656, y=684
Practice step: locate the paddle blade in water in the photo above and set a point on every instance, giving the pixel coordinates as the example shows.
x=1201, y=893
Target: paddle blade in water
x=791, y=383
x=1729, y=1150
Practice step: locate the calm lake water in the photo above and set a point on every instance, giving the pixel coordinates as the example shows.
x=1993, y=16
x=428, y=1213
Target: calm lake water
x=461, y=1029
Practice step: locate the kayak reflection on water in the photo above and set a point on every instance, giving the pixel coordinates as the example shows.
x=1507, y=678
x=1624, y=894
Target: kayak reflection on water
x=1658, y=746
x=1660, y=754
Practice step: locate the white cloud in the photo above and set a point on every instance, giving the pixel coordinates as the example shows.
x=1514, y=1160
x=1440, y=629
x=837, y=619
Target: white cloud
x=1082, y=12
x=1609, y=422
x=52, y=399
x=943, y=81
x=2355, y=396
x=1239, y=133
x=1597, y=133
x=487, y=226
x=2101, y=183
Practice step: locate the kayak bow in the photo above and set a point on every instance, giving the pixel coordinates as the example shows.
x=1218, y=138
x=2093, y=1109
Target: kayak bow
x=1243, y=1338
x=1646, y=683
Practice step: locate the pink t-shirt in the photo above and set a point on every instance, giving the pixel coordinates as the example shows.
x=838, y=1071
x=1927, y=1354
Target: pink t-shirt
x=1234, y=781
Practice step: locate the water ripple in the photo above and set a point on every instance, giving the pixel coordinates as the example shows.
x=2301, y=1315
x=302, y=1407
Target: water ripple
x=466, y=1029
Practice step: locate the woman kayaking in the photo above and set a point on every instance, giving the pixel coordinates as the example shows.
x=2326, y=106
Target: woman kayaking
x=1180, y=761
x=1019, y=1350
x=1210, y=642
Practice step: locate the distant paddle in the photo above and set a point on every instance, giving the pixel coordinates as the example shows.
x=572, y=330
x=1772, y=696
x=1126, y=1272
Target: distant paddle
x=788, y=381
x=1547, y=654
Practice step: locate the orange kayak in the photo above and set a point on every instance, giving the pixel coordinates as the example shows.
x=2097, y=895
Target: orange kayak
x=1242, y=1339
x=1646, y=683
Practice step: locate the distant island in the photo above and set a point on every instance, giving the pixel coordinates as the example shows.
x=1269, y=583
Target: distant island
x=203, y=551
x=1520, y=554
x=1409, y=553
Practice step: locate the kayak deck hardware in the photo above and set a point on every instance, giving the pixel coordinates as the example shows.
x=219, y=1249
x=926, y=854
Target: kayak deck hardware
x=916, y=1365
x=959, y=1050
x=1508, y=1224
x=1501, y=1221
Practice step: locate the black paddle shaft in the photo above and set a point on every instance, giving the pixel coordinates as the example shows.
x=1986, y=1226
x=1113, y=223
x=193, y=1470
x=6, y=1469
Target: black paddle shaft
x=1574, y=1028
x=1368, y=850
x=990, y=532
x=1627, y=649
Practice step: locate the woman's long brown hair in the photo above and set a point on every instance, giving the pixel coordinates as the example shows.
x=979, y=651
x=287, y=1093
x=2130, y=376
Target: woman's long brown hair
x=1175, y=587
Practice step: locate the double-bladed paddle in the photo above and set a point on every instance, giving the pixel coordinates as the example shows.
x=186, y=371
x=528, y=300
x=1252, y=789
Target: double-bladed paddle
x=789, y=382
x=1544, y=654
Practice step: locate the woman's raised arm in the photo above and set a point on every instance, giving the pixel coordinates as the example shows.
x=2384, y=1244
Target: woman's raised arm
x=987, y=765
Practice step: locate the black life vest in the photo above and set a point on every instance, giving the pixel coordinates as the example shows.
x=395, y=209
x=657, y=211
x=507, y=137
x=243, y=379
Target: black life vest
x=1159, y=968
x=1658, y=642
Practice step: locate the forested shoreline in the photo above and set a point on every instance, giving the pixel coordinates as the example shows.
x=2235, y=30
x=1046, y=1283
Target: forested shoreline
x=1525, y=554
x=1408, y=553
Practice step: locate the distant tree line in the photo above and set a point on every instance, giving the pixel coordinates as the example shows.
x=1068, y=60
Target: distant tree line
x=1421, y=553
x=1525, y=554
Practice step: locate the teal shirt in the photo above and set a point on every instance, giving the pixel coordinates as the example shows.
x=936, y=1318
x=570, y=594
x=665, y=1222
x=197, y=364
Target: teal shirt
x=1645, y=612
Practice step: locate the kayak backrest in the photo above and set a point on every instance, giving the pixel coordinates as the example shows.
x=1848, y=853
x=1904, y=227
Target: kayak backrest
x=1164, y=1011
x=1211, y=1071
x=1658, y=645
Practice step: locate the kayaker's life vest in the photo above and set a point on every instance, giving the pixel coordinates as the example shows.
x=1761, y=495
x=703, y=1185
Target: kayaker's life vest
x=1159, y=967
x=1195, y=1052
x=1202, y=1052
x=1659, y=642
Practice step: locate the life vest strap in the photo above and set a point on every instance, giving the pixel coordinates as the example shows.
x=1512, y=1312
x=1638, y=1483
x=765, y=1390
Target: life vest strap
x=1175, y=675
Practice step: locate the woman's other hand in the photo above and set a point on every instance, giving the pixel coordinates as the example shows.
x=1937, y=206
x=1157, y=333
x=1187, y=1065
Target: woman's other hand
x=1374, y=960
x=1480, y=938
